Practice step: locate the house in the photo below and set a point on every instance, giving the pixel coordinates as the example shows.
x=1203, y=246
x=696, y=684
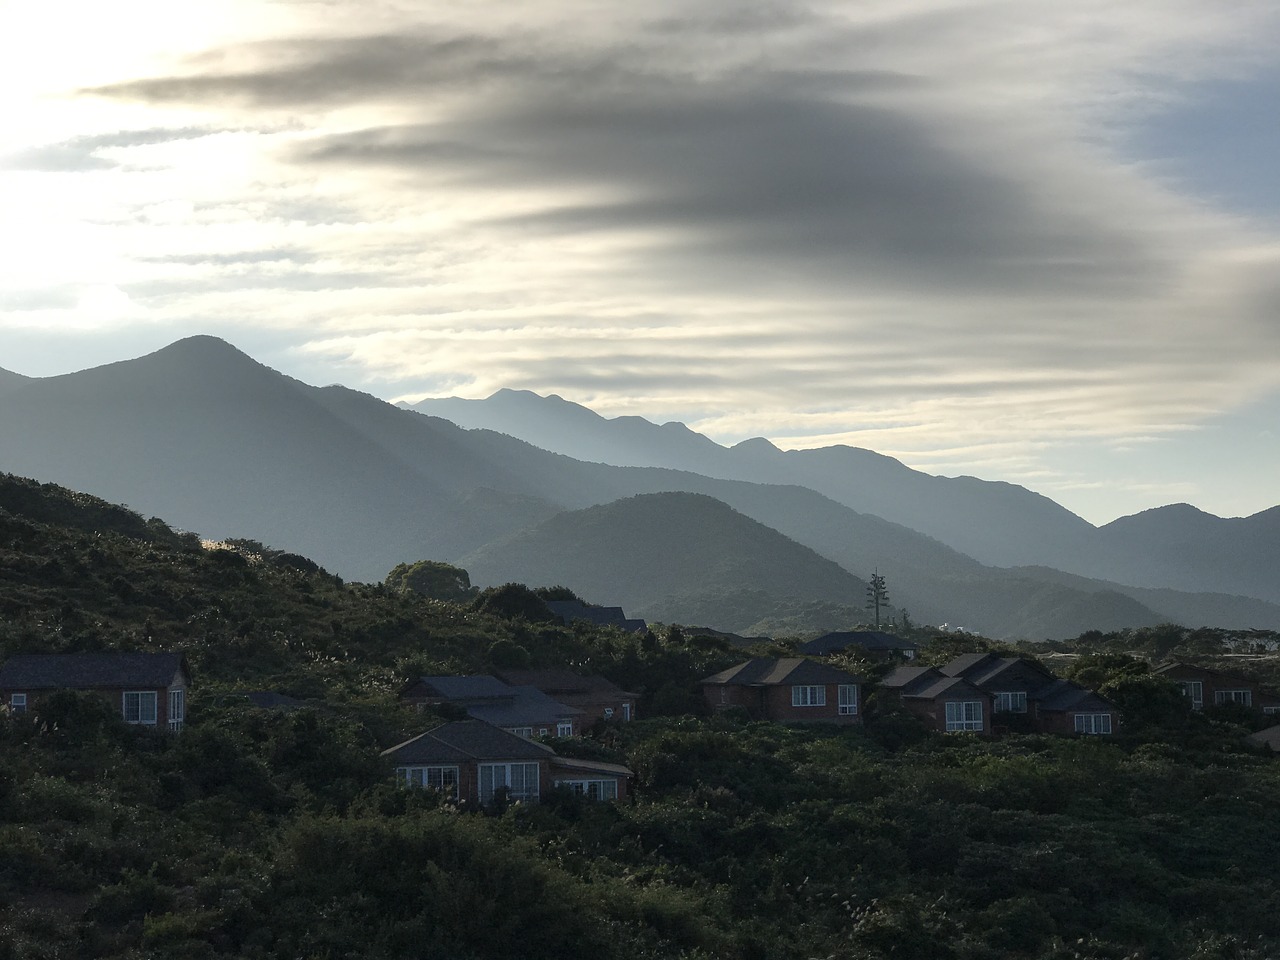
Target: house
x=787, y=689
x=571, y=610
x=1023, y=689
x=523, y=710
x=1205, y=687
x=871, y=642
x=470, y=760
x=947, y=704
x=149, y=689
x=597, y=698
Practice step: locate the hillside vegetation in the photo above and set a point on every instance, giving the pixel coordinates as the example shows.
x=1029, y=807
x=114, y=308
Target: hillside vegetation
x=263, y=834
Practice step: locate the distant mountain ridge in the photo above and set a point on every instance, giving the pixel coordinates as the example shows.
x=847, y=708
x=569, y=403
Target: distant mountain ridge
x=214, y=442
x=996, y=523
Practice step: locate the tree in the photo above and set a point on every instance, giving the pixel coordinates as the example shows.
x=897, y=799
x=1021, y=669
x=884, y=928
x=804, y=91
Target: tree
x=434, y=579
x=877, y=595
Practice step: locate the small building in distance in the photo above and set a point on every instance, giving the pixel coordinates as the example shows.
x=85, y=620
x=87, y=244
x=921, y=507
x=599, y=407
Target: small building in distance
x=787, y=689
x=472, y=761
x=1022, y=690
x=873, y=643
x=597, y=698
x=523, y=710
x=1205, y=687
x=149, y=689
x=571, y=610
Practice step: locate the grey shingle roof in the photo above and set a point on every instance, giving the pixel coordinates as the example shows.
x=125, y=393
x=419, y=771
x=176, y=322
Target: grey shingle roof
x=85, y=671
x=473, y=687
x=570, y=610
x=524, y=706
x=768, y=671
x=464, y=741
x=1063, y=695
x=557, y=683
x=904, y=677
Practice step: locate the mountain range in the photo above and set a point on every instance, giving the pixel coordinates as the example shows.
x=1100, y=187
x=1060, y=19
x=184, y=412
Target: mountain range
x=658, y=518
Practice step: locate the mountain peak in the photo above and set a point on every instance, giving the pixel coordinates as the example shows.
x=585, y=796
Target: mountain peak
x=755, y=445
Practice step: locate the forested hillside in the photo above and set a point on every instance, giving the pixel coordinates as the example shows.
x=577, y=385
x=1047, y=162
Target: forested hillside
x=267, y=834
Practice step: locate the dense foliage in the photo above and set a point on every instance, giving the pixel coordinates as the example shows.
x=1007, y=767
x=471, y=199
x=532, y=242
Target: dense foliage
x=274, y=834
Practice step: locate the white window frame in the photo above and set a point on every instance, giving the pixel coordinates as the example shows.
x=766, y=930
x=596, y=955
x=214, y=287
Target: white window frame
x=177, y=708
x=606, y=789
x=522, y=780
x=564, y=728
x=526, y=732
x=847, y=697
x=963, y=715
x=1010, y=701
x=809, y=695
x=1093, y=724
x=1244, y=697
x=439, y=777
x=17, y=703
x=1193, y=690
x=140, y=715
x=626, y=711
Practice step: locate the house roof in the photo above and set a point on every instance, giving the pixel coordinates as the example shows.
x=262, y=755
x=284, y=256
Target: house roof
x=558, y=683
x=465, y=741
x=523, y=706
x=768, y=671
x=83, y=671
x=866, y=639
x=987, y=668
x=570, y=610
x=473, y=687
x=904, y=677
x=927, y=683
x=965, y=662
x=574, y=765
x=1061, y=695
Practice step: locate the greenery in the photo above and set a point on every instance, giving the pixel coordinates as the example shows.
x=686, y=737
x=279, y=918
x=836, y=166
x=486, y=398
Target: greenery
x=274, y=834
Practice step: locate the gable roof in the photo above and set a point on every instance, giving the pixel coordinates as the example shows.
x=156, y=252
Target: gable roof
x=928, y=683
x=904, y=677
x=1062, y=695
x=865, y=639
x=524, y=706
x=1232, y=677
x=473, y=687
x=574, y=765
x=770, y=671
x=564, y=683
x=987, y=668
x=466, y=741
x=570, y=610
x=86, y=671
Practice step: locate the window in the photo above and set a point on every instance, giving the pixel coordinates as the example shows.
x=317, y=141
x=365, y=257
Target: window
x=1244, y=697
x=177, y=709
x=1093, y=723
x=525, y=732
x=443, y=779
x=1014, y=702
x=1193, y=690
x=18, y=703
x=626, y=711
x=724, y=694
x=521, y=780
x=595, y=789
x=564, y=728
x=848, y=699
x=964, y=715
x=140, y=707
x=808, y=696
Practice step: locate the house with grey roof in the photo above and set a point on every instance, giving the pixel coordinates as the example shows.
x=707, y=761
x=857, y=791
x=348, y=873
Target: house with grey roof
x=788, y=689
x=1203, y=686
x=1025, y=694
x=570, y=610
x=149, y=689
x=473, y=761
x=521, y=709
x=947, y=704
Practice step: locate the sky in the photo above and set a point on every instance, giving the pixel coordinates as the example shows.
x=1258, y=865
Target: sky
x=1020, y=240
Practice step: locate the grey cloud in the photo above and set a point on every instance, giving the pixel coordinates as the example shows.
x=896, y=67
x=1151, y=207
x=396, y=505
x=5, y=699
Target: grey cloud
x=235, y=259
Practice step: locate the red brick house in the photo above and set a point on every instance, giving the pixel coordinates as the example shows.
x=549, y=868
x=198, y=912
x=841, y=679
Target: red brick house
x=597, y=698
x=946, y=704
x=789, y=689
x=471, y=761
x=1023, y=689
x=149, y=689
x=1205, y=687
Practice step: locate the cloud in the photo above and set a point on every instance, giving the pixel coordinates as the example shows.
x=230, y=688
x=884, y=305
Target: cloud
x=84, y=153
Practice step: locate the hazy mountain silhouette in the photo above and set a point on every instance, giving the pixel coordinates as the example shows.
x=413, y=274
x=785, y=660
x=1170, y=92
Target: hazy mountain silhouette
x=210, y=440
x=996, y=523
x=672, y=556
